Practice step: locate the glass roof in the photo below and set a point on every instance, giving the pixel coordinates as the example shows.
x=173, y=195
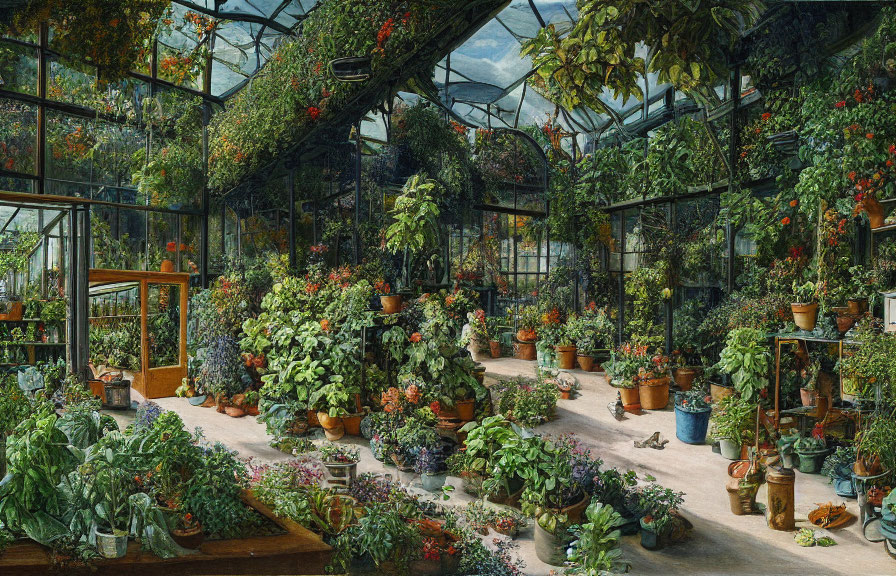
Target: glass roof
x=483, y=81
x=243, y=34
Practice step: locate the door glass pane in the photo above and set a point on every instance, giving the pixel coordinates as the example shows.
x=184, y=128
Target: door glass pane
x=115, y=326
x=163, y=325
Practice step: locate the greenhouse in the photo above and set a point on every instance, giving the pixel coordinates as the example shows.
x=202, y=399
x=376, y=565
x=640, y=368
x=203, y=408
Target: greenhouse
x=435, y=287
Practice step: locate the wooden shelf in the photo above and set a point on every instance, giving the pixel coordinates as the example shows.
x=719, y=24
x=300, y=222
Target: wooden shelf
x=41, y=344
x=885, y=228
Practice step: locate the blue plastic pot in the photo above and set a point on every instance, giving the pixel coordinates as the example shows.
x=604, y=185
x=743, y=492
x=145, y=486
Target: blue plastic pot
x=690, y=427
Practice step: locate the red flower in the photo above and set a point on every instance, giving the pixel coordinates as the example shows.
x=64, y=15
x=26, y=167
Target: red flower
x=860, y=197
x=852, y=175
x=785, y=221
x=171, y=247
x=435, y=407
x=840, y=104
x=416, y=337
x=869, y=135
x=325, y=325
x=766, y=117
x=313, y=112
x=892, y=148
x=793, y=203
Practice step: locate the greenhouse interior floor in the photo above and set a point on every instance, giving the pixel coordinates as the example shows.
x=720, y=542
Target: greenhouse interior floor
x=720, y=543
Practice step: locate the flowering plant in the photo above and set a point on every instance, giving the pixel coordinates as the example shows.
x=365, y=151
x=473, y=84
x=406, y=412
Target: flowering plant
x=625, y=363
x=339, y=454
x=693, y=401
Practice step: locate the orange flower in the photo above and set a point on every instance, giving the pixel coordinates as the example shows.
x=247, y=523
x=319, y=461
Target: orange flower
x=416, y=337
x=785, y=221
x=325, y=325
x=413, y=394
x=869, y=135
x=793, y=203
x=435, y=407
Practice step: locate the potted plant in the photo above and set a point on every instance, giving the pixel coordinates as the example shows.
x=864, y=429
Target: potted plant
x=838, y=467
x=622, y=368
x=565, y=349
x=187, y=532
x=479, y=517
x=477, y=336
x=508, y=522
x=590, y=330
x=415, y=227
x=876, y=447
x=527, y=320
x=861, y=284
x=391, y=303
x=596, y=549
x=493, y=326
x=334, y=401
x=747, y=360
x=805, y=305
x=733, y=424
x=692, y=411
x=340, y=461
x=112, y=485
x=811, y=452
x=660, y=522
x=654, y=383
x=808, y=389
x=431, y=468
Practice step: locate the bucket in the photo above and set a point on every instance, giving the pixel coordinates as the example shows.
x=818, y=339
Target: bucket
x=690, y=427
x=729, y=449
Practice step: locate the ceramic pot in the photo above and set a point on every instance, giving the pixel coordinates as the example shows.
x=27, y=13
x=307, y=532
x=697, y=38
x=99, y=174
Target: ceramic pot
x=719, y=392
x=684, y=377
x=391, y=303
x=209, y=402
x=495, y=348
x=690, y=427
x=845, y=323
x=586, y=363
x=631, y=399
x=334, y=434
x=654, y=393
x=465, y=409
x=197, y=400
x=857, y=306
x=327, y=421
x=234, y=412
x=525, y=350
x=352, y=424
x=113, y=545
x=812, y=460
x=566, y=357
x=189, y=539
x=729, y=449
x=807, y=397
x=551, y=548
x=432, y=482
x=805, y=316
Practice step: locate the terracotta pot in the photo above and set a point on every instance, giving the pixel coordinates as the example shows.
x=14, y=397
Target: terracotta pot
x=654, y=393
x=391, y=303
x=16, y=311
x=566, y=357
x=328, y=422
x=352, y=424
x=805, y=315
x=313, y=422
x=576, y=511
x=222, y=402
x=97, y=389
x=719, y=392
x=684, y=377
x=586, y=362
x=845, y=323
x=234, y=411
x=252, y=410
x=822, y=403
x=525, y=335
x=525, y=350
x=858, y=306
x=807, y=397
x=564, y=394
x=167, y=266
x=495, y=348
x=631, y=399
x=334, y=434
x=209, y=402
x=189, y=539
x=875, y=212
x=466, y=409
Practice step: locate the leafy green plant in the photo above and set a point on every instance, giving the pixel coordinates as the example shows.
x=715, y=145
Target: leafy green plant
x=746, y=359
x=657, y=505
x=526, y=402
x=596, y=548
x=877, y=441
x=734, y=419
x=415, y=222
x=591, y=330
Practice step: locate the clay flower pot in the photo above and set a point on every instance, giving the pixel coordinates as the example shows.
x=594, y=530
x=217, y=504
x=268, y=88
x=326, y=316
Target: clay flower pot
x=631, y=399
x=807, y=397
x=586, y=362
x=465, y=409
x=495, y=348
x=684, y=377
x=391, y=303
x=875, y=212
x=352, y=424
x=526, y=335
x=566, y=357
x=190, y=539
x=167, y=266
x=857, y=306
x=805, y=315
x=525, y=350
x=654, y=393
x=234, y=411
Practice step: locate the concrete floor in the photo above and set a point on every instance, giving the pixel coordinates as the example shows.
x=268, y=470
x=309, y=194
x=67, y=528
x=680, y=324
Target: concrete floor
x=720, y=543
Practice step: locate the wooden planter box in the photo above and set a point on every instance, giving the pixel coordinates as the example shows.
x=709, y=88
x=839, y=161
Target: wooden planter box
x=298, y=552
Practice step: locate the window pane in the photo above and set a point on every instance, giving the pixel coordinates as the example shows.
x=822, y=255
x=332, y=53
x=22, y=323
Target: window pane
x=18, y=136
x=163, y=324
x=18, y=68
x=70, y=146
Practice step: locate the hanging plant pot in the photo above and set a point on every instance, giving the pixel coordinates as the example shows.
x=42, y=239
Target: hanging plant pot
x=586, y=362
x=524, y=350
x=351, y=69
x=391, y=303
x=654, y=393
x=566, y=357
x=631, y=399
x=805, y=315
